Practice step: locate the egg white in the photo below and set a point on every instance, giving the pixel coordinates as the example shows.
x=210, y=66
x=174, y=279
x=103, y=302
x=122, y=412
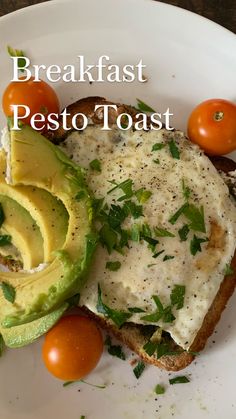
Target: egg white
x=128, y=154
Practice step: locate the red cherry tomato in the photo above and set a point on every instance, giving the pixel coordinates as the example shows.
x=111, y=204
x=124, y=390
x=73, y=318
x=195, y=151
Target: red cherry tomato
x=212, y=125
x=72, y=348
x=38, y=96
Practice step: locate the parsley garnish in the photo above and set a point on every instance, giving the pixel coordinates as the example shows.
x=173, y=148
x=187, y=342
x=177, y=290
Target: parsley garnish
x=157, y=161
x=162, y=313
x=80, y=195
x=114, y=350
x=177, y=214
x=138, y=370
x=150, y=347
x=183, y=233
x=1, y=345
x=82, y=417
x=161, y=349
x=95, y=165
x=130, y=208
x=162, y=232
x=174, y=151
x=18, y=53
x=136, y=310
x=143, y=106
x=108, y=237
x=177, y=296
x=135, y=233
x=68, y=383
x=157, y=147
x=167, y=257
x=194, y=215
x=179, y=380
x=9, y=292
x=228, y=270
x=159, y=389
x=113, y=266
x=5, y=239
x=2, y=216
x=186, y=190
x=195, y=244
x=126, y=186
x=118, y=317
x=143, y=195
x=158, y=254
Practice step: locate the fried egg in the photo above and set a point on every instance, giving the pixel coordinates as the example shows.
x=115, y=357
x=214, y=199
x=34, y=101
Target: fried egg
x=134, y=155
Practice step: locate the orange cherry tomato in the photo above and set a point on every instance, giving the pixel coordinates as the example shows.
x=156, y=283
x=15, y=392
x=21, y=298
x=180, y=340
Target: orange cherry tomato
x=38, y=96
x=212, y=125
x=72, y=348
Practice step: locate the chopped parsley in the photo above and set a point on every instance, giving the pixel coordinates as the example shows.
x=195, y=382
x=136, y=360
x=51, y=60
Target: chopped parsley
x=179, y=380
x=183, y=233
x=130, y=208
x=18, y=53
x=5, y=239
x=177, y=214
x=157, y=161
x=193, y=214
x=126, y=186
x=155, y=255
x=114, y=350
x=95, y=165
x=143, y=195
x=9, y=292
x=135, y=233
x=186, y=190
x=159, y=389
x=162, y=232
x=142, y=106
x=161, y=349
x=174, y=151
x=113, y=266
x=138, y=370
x=150, y=347
x=118, y=317
x=228, y=270
x=167, y=257
x=82, y=417
x=195, y=244
x=162, y=313
x=157, y=147
x=68, y=383
x=177, y=296
x=136, y=310
x=80, y=195
x=108, y=237
x=196, y=217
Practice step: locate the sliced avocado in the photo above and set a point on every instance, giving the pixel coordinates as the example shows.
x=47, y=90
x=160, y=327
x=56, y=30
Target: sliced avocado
x=48, y=212
x=22, y=335
x=37, y=162
x=24, y=232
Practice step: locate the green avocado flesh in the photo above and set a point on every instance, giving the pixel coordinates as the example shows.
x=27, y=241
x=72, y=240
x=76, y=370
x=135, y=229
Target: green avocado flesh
x=22, y=335
x=48, y=212
x=24, y=232
x=36, y=163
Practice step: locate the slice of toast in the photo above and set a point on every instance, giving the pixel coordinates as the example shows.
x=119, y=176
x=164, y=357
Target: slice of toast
x=135, y=336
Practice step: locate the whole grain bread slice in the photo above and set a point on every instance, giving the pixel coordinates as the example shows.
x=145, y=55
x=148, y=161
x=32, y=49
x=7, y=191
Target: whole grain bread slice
x=134, y=336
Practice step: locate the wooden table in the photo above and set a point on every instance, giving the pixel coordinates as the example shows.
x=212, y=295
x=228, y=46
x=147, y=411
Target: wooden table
x=220, y=11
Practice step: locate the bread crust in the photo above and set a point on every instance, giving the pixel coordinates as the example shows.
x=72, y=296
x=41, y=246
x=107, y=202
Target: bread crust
x=129, y=334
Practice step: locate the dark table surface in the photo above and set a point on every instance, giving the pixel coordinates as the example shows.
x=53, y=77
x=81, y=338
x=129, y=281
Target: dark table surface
x=220, y=11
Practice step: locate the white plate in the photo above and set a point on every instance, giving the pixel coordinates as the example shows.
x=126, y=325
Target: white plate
x=188, y=59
